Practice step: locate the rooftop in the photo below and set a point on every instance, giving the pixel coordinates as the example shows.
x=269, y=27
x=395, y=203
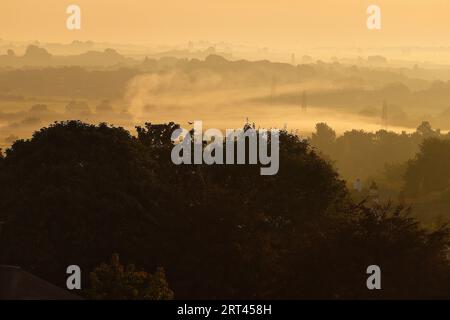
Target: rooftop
x=17, y=284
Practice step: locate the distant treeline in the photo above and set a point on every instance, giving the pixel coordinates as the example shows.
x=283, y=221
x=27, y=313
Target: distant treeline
x=107, y=72
x=361, y=154
x=409, y=168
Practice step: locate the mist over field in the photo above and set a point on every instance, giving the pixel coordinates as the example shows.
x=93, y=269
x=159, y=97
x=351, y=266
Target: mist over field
x=346, y=95
x=373, y=95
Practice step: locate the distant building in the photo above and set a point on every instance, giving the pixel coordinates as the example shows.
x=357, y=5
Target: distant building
x=293, y=60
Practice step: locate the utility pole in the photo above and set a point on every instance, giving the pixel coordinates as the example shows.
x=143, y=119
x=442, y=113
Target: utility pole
x=384, y=115
x=273, y=89
x=304, y=101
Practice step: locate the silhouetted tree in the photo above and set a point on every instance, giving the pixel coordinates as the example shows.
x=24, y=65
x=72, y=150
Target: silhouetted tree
x=114, y=282
x=76, y=192
x=430, y=170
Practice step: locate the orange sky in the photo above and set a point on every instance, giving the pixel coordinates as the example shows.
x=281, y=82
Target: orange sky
x=276, y=23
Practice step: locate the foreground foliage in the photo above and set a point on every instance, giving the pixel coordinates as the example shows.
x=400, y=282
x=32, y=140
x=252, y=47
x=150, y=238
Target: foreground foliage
x=76, y=193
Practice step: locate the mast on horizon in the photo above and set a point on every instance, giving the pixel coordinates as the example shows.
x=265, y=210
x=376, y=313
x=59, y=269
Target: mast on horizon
x=384, y=115
x=304, y=101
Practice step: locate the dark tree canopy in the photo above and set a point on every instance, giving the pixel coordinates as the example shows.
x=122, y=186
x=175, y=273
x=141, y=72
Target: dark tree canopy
x=76, y=193
x=429, y=171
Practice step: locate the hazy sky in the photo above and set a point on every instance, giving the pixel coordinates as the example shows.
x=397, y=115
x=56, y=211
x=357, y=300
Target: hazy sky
x=282, y=23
